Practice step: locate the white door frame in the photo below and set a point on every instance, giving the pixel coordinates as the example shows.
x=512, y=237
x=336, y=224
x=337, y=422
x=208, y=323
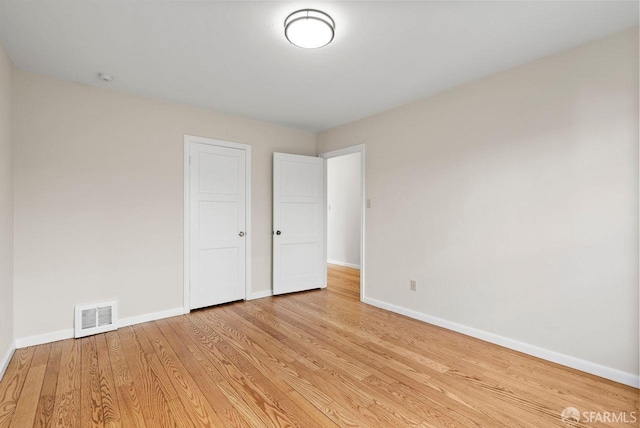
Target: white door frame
x=188, y=139
x=341, y=152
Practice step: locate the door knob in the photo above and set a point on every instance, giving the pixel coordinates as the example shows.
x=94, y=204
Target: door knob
x=241, y=234
x=278, y=232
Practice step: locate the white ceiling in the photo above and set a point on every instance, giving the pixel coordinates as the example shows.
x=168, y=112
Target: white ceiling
x=232, y=56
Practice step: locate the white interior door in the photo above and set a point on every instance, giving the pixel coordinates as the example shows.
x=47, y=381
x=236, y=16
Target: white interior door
x=217, y=213
x=299, y=259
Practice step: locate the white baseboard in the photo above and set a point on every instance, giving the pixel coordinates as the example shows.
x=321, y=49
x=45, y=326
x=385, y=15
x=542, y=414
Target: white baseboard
x=345, y=264
x=69, y=334
x=4, y=362
x=139, y=319
x=260, y=295
x=39, y=339
x=556, y=357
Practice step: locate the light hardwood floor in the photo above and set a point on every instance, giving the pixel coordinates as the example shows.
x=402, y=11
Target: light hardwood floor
x=319, y=358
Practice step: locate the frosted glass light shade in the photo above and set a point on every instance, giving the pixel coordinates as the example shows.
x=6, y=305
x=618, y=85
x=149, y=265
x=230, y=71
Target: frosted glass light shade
x=309, y=28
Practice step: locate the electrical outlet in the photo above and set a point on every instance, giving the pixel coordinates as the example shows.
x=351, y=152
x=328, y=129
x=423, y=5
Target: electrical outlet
x=412, y=285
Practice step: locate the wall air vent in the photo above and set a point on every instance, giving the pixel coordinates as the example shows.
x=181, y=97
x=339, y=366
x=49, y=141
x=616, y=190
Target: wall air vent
x=96, y=318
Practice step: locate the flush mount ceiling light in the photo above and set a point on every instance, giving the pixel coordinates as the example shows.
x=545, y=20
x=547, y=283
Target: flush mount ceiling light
x=309, y=28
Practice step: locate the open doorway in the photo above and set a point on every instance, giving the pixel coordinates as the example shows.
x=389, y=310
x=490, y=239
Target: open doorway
x=345, y=220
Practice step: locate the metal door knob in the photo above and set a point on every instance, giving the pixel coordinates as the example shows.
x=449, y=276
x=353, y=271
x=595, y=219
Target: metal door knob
x=241, y=234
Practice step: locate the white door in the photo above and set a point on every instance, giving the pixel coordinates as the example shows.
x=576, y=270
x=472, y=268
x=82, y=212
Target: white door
x=299, y=259
x=217, y=189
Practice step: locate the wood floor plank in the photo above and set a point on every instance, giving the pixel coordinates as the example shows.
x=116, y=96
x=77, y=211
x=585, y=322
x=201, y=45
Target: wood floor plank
x=446, y=338
x=357, y=357
x=91, y=414
x=128, y=403
x=153, y=401
x=334, y=365
x=277, y=363
x=158, y=373
x=223, y=408
x=480, y=401
x=398, y=334
x=314, y=359
x=194, y=401
x=279, y=392
x=66, y=410
x=12, y=383
x=44, y=412
x=198, y=344
x=258, y=397
x=25, y=413
x=108, y=394
x=483, y=399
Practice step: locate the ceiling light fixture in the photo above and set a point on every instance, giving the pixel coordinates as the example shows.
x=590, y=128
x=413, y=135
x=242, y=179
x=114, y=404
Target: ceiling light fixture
x=309, y=28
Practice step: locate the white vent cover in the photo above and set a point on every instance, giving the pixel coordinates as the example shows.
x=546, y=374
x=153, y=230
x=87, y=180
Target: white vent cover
x=96, y=318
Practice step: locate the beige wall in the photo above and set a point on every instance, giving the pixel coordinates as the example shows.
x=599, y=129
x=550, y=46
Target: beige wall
x=513, y=201
x=99, y=198
x=6, y=207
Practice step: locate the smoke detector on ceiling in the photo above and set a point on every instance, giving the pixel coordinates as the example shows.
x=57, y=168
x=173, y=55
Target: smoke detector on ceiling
x=105, y=77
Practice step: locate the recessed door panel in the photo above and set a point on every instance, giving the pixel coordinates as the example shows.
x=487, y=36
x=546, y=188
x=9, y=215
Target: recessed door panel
x=218, y=220
x=298, y=261
x=298, y=179
x=218, y=270
x=218, y=174
x=299, y=219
